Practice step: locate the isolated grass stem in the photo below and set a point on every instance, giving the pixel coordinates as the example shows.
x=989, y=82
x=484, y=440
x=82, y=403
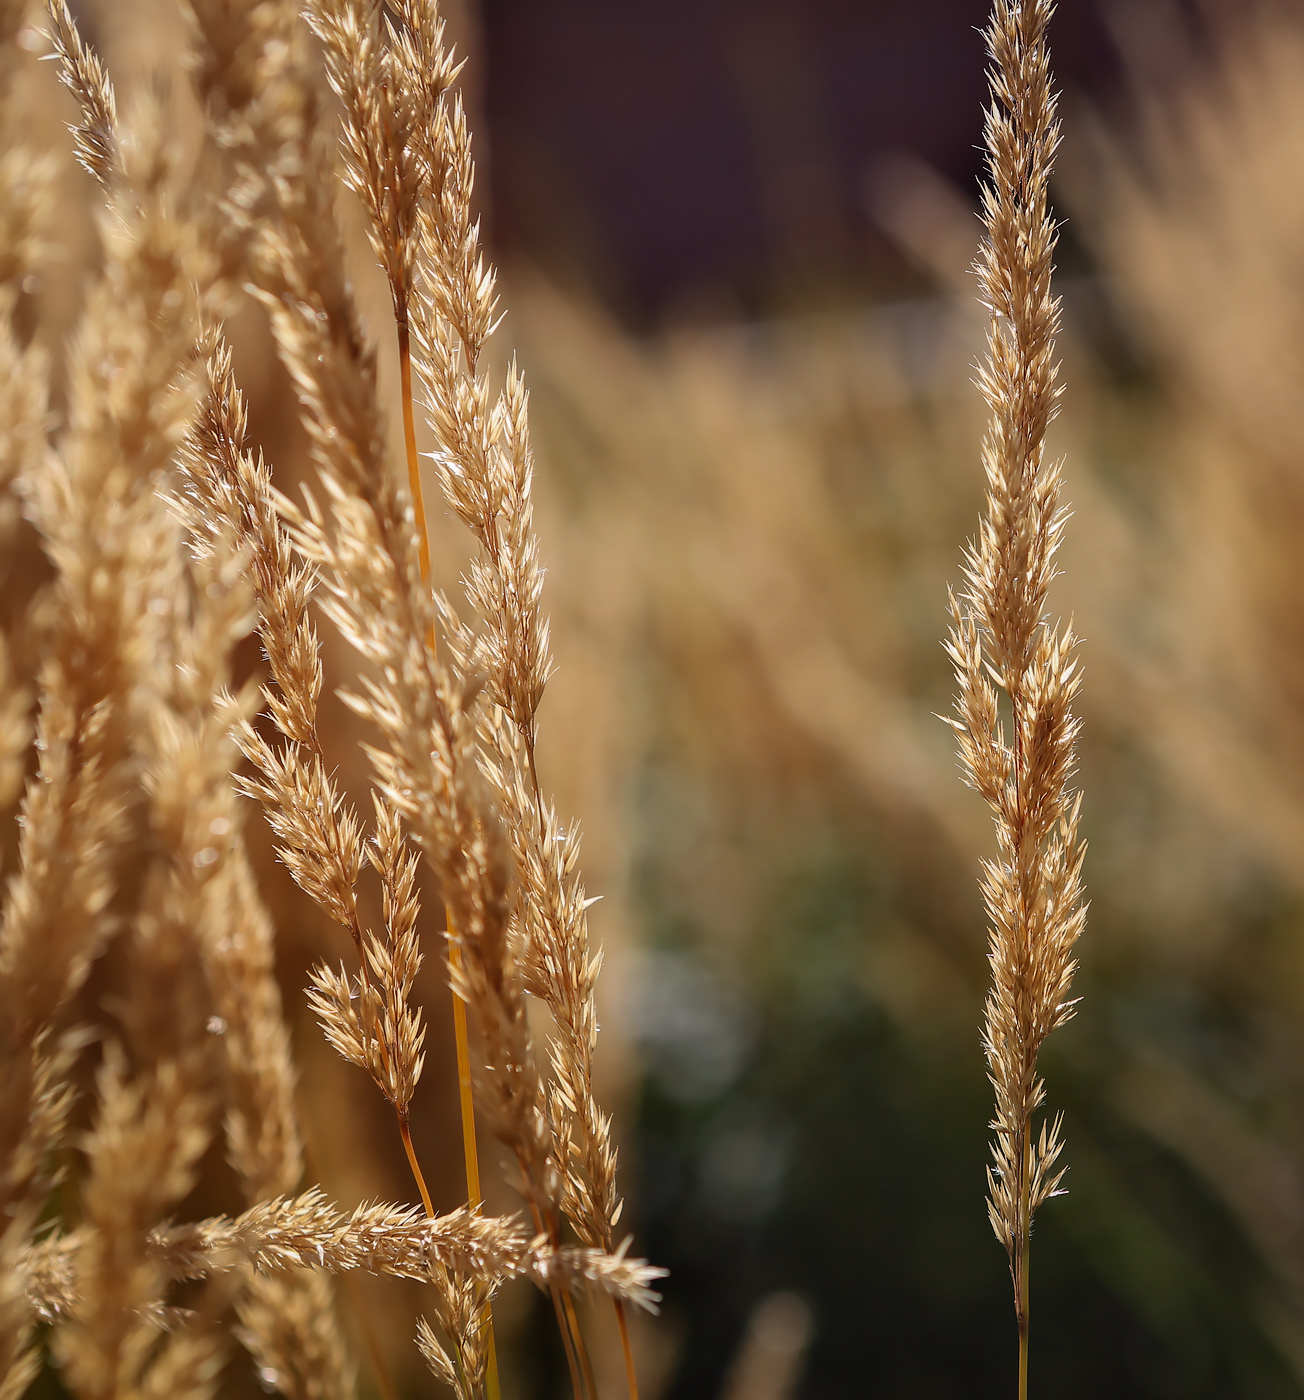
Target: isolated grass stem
x=631, y=1374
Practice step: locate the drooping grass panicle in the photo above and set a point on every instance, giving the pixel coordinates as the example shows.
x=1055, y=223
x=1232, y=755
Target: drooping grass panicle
x=370, y=1019
x=486, y=466
x=485, y=463
x=93, y=503
x=363, y=541
x=389, y=74
x=308, y=1231
x=229, y=491
x=95, y=136
x=385, y=115
x=1012, y=665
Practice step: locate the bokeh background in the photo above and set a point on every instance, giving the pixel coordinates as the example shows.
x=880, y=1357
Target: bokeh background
x=735, y=238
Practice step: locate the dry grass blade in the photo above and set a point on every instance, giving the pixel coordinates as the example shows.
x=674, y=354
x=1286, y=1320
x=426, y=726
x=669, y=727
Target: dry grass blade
x=1004, y=650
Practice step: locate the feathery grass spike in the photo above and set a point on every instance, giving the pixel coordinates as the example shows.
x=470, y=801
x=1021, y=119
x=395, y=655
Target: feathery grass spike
x=1007, y=655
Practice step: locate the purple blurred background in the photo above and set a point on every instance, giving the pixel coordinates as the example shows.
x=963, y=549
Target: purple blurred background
x=698, y=158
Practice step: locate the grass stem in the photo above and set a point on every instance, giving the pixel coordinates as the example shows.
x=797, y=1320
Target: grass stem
x=631, y=1375
x=410, y=436
x=582, y=1351
x=1023, y=1357
x=1021, y=1302
x=413, y=1163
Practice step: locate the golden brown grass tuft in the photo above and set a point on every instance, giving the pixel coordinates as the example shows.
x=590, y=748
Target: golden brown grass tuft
x=169, y=543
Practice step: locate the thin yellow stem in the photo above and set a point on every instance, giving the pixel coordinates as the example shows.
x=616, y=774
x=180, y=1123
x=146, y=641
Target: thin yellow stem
x=563, y=1327
x=1023, y=1358
x=410, y=436
x=572, y=1317
x=473, y=1194
x=568, y=1341
x=412, y=1162
x=460, y=1036
x=1025, y=1229
x=631, y=1375
x=357, y=1304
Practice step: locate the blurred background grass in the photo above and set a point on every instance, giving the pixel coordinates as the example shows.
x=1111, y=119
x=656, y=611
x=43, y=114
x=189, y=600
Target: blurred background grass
x=735, y=237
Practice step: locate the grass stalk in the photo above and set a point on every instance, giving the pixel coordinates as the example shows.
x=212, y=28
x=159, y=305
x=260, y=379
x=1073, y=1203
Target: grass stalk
x=410, y=437
x=465, y=1095
x=586, y=1366
x=1023, y=1342
x=631, y=1374
x=568, y=1339
x=406, y=1135
x=1022, y=1261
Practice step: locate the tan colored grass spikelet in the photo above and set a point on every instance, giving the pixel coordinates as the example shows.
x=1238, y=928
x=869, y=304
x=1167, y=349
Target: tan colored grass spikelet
x=309, y=1232
x=229, y=491
x=149, y=1132
x=94, y=505
x=1004, y=650
x=461, y=1369
x=287, y=1321
x=486, y=468
x=95, y=137
x=285, y=1235
x=613, y=1273
x=374, y=1025
x=371, y=1023
x=369, y=59
x=157, y=1112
